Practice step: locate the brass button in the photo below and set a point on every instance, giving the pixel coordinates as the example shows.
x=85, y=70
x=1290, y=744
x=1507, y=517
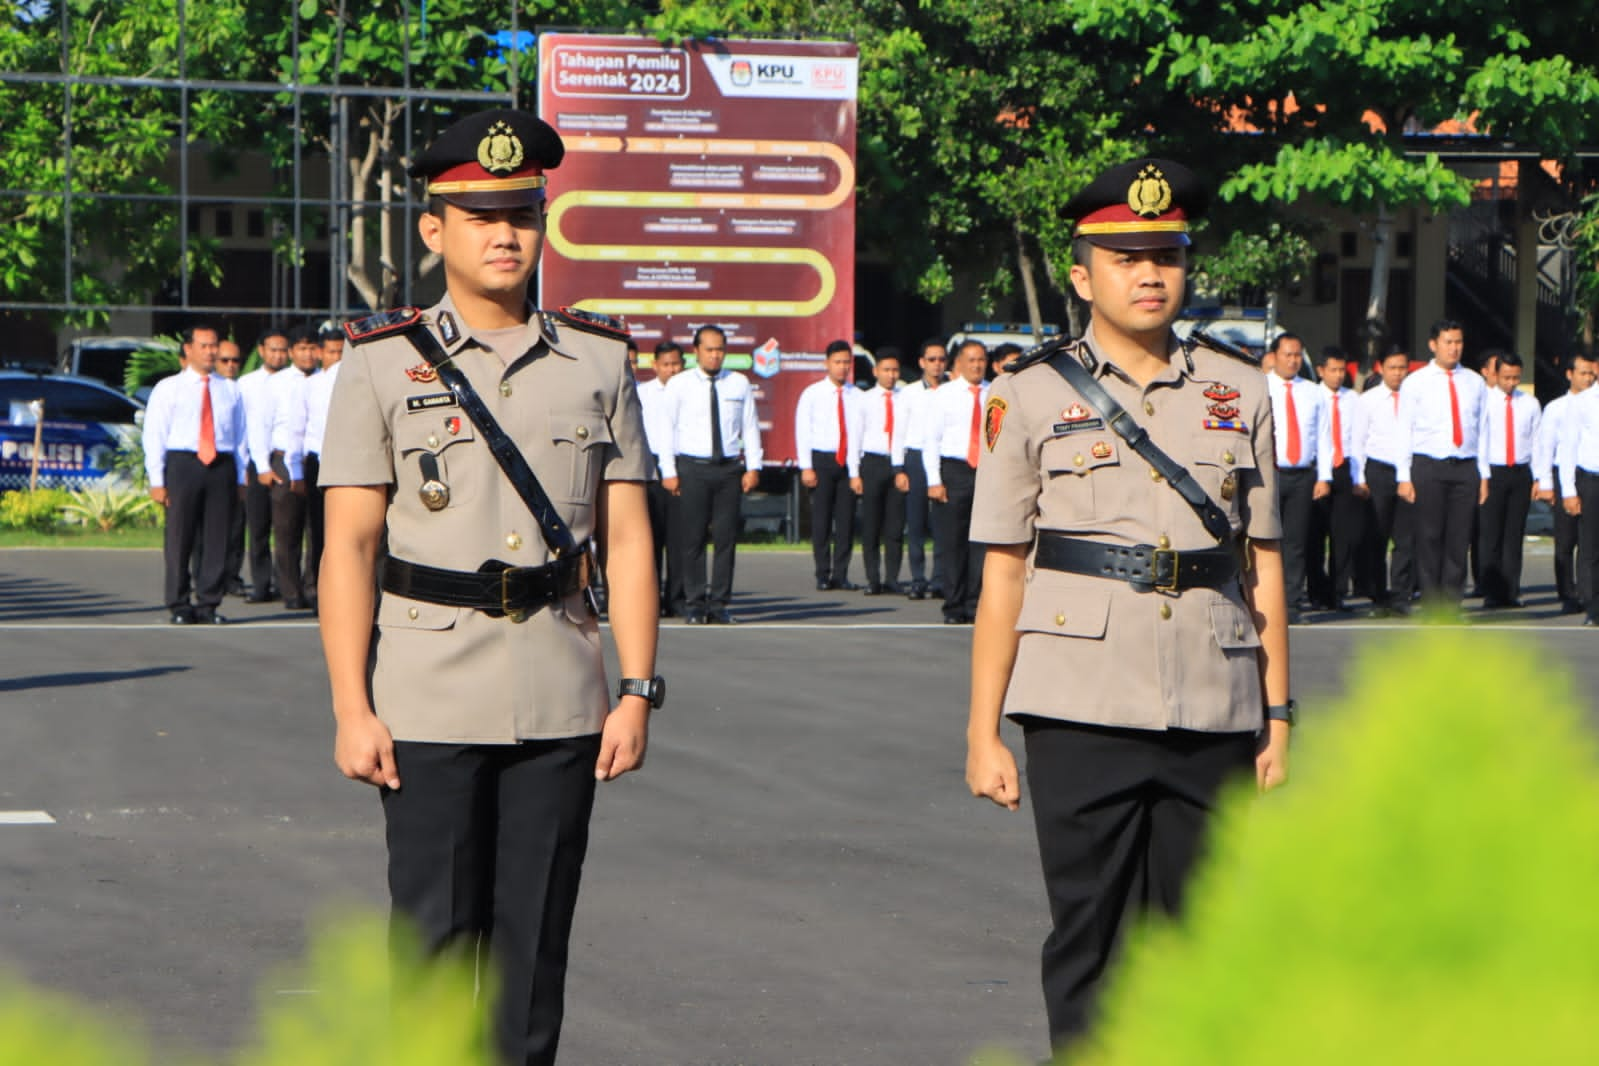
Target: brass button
x=1238, y=631
x=1077, y=460
x=582, y=433
x=505, y=388
x=513, y=541
x=516, y=616
x=433, y=440
x=1227, y=457
x=1154, y=475
x=412, y=614
x=1165, y=610
x=1163, y=542
x=1060, y=619
x=1149, y=408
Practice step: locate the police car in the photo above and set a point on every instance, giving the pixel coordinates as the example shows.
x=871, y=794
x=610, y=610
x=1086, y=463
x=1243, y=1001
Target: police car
x=80, y=425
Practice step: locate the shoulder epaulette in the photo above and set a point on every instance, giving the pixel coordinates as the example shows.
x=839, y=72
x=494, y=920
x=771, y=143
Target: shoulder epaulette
x=1039, y=354
x=592, y=322
x=1200, y=339
x=382, y=324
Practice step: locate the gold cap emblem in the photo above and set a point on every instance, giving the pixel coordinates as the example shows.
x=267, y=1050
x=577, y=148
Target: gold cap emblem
x=500, y=150
x=1149, y=196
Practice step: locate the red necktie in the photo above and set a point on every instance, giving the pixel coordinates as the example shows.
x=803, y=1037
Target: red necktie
x=888, y=418
x=977, y=426
x=208, y=427
x=1396, y=403
x=1454, y=408
x=1293, y=423
x=843, y=431
x=1337, y=434
x=1510, y=432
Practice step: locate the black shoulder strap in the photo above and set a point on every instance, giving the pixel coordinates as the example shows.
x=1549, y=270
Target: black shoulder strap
x=1137, y=438
x=556, y=534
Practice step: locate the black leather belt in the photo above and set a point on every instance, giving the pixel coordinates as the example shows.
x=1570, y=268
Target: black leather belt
x=1143, y=566
x=495, y=588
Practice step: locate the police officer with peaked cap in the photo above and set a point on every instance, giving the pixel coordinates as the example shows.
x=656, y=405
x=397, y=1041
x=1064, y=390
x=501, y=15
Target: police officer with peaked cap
x=478, y=704
x=1137, y=635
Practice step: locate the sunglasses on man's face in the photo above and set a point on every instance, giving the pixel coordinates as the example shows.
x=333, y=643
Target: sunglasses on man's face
x=229, y=362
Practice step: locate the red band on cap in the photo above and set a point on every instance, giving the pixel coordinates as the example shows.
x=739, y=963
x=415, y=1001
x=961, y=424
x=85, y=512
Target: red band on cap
x=474, y=172
x=1119, y=218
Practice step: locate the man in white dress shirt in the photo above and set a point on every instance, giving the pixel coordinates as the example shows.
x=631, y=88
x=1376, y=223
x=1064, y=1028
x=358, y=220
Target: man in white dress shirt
x=1304, y=457
x=668, y=362
x=1509, y=434
x=318, y=395
x=952, y=442
x=256, y=393
x=713, y=457
x=1440, y=425
x=827, y=446
x=1388, y=520
x=1335, y=519
x=933, y=363
x=1571, y=580
x=193, y=446
x=883, y=478
x=287, y=460
x=230, y=361
x=1577, y=459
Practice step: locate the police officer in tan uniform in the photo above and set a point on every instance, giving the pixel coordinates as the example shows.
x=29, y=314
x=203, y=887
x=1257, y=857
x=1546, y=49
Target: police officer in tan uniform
x=1137, y=635
x=478, y=704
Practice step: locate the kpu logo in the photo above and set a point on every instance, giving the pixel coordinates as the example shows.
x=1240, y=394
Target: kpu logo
x=743, y=74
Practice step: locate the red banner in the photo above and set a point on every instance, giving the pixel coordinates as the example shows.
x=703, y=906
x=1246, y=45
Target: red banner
x=712, y=183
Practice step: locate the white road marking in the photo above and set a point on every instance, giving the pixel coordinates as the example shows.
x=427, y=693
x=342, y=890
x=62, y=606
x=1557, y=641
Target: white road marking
x=26, y=818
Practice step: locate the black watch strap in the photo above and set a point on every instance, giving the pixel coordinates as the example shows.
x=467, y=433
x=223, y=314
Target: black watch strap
x=652, y=689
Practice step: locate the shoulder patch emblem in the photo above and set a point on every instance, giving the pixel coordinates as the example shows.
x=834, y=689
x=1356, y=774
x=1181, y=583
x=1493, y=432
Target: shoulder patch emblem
x=370, y=328
x=447, y=328
x=591, y=322
x=993, y=419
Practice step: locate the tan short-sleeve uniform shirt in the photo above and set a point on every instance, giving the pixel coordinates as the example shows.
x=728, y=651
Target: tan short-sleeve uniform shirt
x=566, y=398
x=1095, y=650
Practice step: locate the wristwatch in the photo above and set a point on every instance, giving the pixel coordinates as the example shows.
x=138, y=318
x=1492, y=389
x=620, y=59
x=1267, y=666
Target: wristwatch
x=1283, y=712
x=652, y=689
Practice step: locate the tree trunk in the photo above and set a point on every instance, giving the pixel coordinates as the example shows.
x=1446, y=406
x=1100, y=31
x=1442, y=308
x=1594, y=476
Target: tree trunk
x=1024, y=266
x=1382, y=236
x=360, y=180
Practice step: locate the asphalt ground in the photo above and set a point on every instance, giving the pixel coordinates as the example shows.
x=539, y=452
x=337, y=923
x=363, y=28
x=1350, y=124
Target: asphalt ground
x=798, y=876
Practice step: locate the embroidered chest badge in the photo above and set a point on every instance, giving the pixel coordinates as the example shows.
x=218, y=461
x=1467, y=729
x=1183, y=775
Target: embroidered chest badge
x=452, y=425
x=1219, y=393
x=1076, y=413
x=993, y=419
x=422, y=372
x=1100, y=450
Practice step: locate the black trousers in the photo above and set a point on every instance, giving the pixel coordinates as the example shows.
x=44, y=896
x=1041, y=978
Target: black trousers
x=709, y=500
x=199, y=504
x=960, y=559
x=662, y=504
x=882, y=520
x=1571, y=576
x=1121, y=816
x=1502, y=530
x=1588, y=537
x=486, y=846
x=832, y=518
x=233, y=567
x=314, y=521
x=1390, y=522
x=1335, y=528
x=918, y=520
x=288, y=533
x=1296, y=488
x=258, y=517
x=1446, y=505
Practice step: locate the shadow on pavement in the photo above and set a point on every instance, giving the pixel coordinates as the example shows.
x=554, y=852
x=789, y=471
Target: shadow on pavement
x=24, y=599
x=98, y=677
x=794, y=609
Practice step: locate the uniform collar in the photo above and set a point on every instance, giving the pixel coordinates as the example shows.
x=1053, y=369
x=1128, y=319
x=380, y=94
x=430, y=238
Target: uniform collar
x=1178, y=366
x=454, y=334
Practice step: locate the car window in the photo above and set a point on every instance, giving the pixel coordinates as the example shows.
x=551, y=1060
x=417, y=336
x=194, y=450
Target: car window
x=67, y=401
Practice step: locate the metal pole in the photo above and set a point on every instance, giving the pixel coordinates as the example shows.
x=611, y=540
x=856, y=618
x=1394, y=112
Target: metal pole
x=66, y=166
x=295, y=256
x=516, y=55
x=183, y=157
x=408, y=230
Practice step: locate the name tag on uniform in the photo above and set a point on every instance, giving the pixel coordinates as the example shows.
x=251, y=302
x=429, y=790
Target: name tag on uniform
x=1060, y=429
x=430, y=401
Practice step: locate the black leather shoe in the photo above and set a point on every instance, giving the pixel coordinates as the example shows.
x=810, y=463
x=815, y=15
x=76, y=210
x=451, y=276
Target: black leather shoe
x=236, y=587
x=955, y=618
x=182, y=617
x=822, y=584
x=253, y=598
x=694, y=618
x=1590, y=621
x=843, y=586
x=1570, y=606
x=873, y=588
x=721, y=617
x=209, y=618
x=1294, y=617
x=297, y=604
x=918, y=591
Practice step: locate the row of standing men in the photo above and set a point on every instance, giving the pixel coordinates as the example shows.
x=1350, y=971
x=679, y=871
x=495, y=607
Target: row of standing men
x=234, y=460
x=907, y=453
x=1400, y=490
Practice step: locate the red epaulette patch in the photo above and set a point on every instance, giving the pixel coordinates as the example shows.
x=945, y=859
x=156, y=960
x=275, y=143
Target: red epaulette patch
x=370, y=328
x=592, y=322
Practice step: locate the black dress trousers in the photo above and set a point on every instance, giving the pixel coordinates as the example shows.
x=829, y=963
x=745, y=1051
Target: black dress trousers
x=288, y=532
x=919, y=524
x=961, y=559
x=1571, y=577
x=882, y=520
x=1335, y=531
x=487, y=841
x=1391, y=520
x=199, y=504
x=662, y=504
x=832, y=519
x=1296, y=488
x=1588, y=537
x=1501, y=532
x=258, y=519
x=1120, y=816
x=314, y=522
x=709, y=494
x=1446, y=506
